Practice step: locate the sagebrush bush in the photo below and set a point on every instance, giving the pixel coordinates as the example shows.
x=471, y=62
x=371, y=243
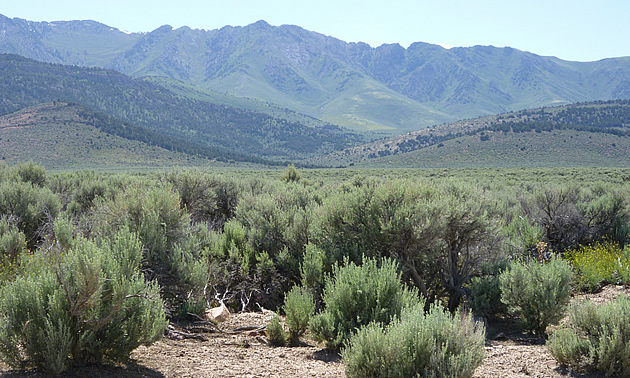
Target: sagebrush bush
x=172, y=255
x=437, y=233
x=312, y=270
x=538, y=293
x=299, y=307
x=624, y=265
x=418, y=344
x=276, y=334
x=485, y=291
x=598, y=264
x=31, y=206
x=86, y=305
x=291, y=174
x=31, y=173
x=208, y=198
x=596, y=337
x=573, y=215
x=12, y=248
x=355, y=296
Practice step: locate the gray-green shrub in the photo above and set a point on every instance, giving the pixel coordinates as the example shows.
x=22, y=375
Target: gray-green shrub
x=355, y=296
x=438, y=233
x=31, y=206
x=299, y=307
x=538, y=293
x=572, y=215
x=208, y=198
x=312, y=271
x=418, y=344
x=276, y=334
x=291, y=174
x=172, y=254
x=485, y=291
x=12, y=248
x=596, y=337
x=86, y=305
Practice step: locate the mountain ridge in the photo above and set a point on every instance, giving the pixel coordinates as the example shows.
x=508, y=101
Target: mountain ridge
x=386, y=88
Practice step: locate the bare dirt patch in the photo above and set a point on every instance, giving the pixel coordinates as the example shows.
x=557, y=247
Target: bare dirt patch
x=245, y=353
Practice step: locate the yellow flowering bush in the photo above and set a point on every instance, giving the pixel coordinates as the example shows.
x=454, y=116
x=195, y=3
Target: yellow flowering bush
x=600, y=263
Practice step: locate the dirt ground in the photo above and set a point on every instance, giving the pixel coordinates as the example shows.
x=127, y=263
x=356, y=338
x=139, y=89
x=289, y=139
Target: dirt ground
x=239, y=349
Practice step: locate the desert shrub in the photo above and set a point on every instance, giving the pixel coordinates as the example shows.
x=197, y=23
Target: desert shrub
x=31, y=173
x=266, y=239
x=596, y=337
x=355, y=296
x=174, y=250
x=624, y=265
x=299, y=308
x=571, y=216
x=606, y=210
x=208, y=198
x=187, y=277
x=597, y=264
x=279, y=223
x=236, y=267
x=154, y=213
x=418, y=344
x=31, y=206
x=63, y=232
x=79, y=191
x=312, y=271
x=86, y=305
x=192, y=307
x=291, y=174
x=485, y=290
x=83, y=196
x=556, y=210
x=522, y=236
x=276, y=334
x=12, y=247
x=438, y=233
x=538, y=293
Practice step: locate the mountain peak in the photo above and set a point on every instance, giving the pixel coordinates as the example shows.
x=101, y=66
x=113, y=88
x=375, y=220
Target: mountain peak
x=261, y=24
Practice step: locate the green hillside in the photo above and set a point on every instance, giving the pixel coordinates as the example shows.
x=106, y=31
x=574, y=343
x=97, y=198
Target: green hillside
x=221, y=98
x=562, y=148
x=61, y=136
x=578, y=135
x=25, y=82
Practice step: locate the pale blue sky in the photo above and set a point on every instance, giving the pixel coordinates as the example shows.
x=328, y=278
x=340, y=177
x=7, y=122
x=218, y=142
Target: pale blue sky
x=580, y=30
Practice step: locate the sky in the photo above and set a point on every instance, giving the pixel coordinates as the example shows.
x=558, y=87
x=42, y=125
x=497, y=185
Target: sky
x=578, y=30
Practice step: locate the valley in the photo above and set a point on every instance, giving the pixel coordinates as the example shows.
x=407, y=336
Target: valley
x=337, y=200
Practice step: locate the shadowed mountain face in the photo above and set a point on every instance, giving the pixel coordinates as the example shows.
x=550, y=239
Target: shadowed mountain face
x=350, y=84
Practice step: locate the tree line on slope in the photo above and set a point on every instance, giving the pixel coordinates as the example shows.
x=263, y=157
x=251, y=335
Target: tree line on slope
x=25, y=82
x=608, y=117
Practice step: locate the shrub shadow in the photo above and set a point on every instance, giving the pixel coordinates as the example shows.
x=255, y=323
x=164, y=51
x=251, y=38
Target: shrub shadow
x=326, y=355
x=132, y=369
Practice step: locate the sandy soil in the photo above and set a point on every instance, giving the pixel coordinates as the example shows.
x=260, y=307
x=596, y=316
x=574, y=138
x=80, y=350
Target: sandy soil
x=237, y=349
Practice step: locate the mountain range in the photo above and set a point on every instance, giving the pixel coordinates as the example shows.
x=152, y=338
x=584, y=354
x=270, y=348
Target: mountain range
x=387, y=89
